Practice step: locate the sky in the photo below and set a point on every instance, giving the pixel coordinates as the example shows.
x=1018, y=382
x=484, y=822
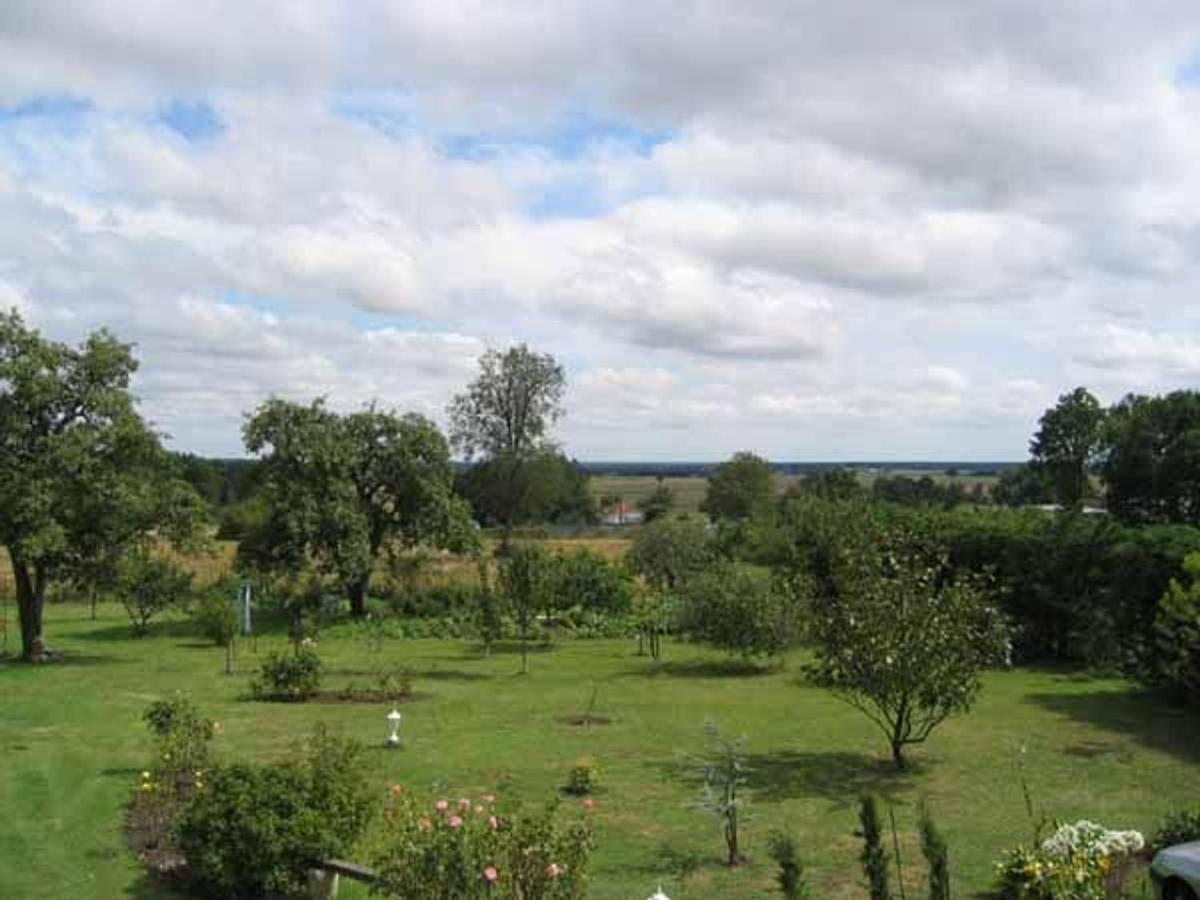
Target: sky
x=813, y=230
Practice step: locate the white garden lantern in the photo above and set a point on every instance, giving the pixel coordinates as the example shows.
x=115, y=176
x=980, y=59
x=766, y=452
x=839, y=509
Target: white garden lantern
x=394, y=718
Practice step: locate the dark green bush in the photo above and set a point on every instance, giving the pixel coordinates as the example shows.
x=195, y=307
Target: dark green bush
x=587, y=580
x=739, y=609
x=874, y=858
x=790, y=876
x=1180, y=827
x=215, y=613
x=289, y=676
x=254, y=831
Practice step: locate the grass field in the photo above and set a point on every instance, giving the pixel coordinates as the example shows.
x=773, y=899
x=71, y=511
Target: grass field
x=72, y=745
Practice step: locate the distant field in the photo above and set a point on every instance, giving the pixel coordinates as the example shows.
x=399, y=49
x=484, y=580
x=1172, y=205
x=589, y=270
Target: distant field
x=689, y=489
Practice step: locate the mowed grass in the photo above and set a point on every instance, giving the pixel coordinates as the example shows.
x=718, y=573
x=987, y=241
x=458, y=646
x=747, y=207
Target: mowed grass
x=72, y=744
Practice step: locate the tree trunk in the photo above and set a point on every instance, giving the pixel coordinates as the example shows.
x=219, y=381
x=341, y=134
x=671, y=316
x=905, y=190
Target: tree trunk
x=31, y=600
x=358, y=596
x=898, y=754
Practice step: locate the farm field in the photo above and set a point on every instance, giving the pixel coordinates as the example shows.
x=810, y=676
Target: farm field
x=73, y=744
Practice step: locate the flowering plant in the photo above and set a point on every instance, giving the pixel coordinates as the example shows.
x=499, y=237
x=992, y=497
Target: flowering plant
x=1080, y=861
x=470, y=848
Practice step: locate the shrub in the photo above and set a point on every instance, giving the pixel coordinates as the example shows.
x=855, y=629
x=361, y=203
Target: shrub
x=739, y=610
x=216, y=615
x=669, y=551
x=933, y=848
x=873, y=858
x=586, y=579
x=183, y=738
x=790, y=876
x=583, y=778
x=1083, y=861
x=254, y=831
x=1180, y=827
x=1175, y=665
x=283, y=676
x=147, y=585
x=466, y=849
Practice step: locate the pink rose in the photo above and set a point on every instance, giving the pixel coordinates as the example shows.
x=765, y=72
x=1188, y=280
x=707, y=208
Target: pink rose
x=454, y=821
x=490, y=873
x=553, y=870
x=442, y=805
x=589, y=803
x=493, y=822
x=464, y=803
x=489, y=798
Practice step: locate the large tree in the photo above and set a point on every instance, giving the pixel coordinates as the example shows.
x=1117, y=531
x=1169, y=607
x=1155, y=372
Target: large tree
x=547, y=488
x=504, y=419
x=738, y=488
x=343, y=488
x=906, y=637
x=82, y=478
x=1067, y=443
x=1152, y=458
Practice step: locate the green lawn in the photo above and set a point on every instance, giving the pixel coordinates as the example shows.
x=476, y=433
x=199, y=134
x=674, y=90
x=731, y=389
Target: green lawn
x=72, y=745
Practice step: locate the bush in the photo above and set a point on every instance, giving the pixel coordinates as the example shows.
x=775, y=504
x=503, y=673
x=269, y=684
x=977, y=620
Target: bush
x=466, y=849
x=1180, y=827
x=216, y=615
x=873, y=858
x=183, y=738
x=583, y=778
x=254, y=831
x=1083, y=861
x=147, y=585
x=285, y=676
x=740, y=610
x=586, y=579
x=790, y=876
x=1175, y=664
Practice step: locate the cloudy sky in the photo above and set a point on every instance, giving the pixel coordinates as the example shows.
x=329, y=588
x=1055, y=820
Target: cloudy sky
x=815, y=230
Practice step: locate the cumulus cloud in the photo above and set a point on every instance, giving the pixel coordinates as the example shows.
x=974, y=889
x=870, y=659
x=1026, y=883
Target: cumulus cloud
x=727, y=220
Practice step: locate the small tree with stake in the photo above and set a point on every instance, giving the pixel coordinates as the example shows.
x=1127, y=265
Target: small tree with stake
x=724, y=787
x=524, y=579
x=906, y=639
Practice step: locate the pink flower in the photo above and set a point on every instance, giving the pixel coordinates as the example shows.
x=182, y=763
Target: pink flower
x=493, y=822
x=442, y=805
x=478, y=809
x=589, y=803
x=454, y=821
x=397, y=790
x=490, y=873
x=464, y=803
x=489, y=798
x=424, y=824
x=553, y=870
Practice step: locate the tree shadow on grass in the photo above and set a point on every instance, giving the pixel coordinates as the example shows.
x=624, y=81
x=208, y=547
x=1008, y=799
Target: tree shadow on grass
x=725, y=668
x=62, y=658
x=1141, y=715
x=125, y=632
x=838, y=777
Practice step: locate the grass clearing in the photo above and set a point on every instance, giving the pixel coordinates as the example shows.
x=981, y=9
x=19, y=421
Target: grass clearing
x=73, y=744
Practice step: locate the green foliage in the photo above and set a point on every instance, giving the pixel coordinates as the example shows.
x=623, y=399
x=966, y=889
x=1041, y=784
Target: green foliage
x=464, y=849
x=82, y=478
x=1080, y=861
x=906, y=638
x=1152, y=458
x=873, y=858
x=526, y=582
x=583, y=777
x=831, y=484
x=587, y=580
x=1179, y=827
x=340, y=488
x=937, y=857
x=659, y=503
x=1024, y=485
x=725, y=776
x=216, y=612
x=739, y=609
x=923, y=491
x=542, y=486
x=254, y=831
x=289, y=676
x=1067, y=443
x=790, y=877
x=149, y=584
x=738, y=488
x=1175, y=663
x=668, y=552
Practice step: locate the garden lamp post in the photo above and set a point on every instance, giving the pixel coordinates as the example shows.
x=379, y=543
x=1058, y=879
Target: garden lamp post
x=394, y=718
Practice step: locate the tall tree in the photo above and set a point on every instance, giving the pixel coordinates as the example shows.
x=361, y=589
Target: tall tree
x=82, y=478
x=343, y=488
x=1067, y=443
x=738, y=488
x=1152, y=458
x=504, y=418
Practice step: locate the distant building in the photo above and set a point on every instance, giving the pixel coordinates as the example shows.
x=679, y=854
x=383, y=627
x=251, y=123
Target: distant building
x=623, y=512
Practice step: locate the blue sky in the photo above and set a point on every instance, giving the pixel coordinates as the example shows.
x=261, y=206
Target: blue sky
x=813, y=232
